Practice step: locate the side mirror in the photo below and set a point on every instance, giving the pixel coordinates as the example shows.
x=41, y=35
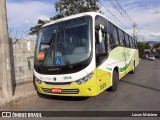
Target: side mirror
x=108, y=43
x=101, y=27
x=100, y=36
x=108, y=39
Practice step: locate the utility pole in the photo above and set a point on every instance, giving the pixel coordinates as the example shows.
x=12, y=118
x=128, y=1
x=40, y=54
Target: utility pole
x=5, y=63
x=134, y=29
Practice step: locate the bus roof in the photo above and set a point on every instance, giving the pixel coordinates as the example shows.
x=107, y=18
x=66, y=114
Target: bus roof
x=71, y=17
x=93, y=14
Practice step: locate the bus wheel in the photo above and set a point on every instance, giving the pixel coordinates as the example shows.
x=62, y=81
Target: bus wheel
x=115, y=79
x=133, y=70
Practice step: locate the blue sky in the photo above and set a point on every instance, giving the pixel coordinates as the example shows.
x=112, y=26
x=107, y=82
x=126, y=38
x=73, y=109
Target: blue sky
x=23, y=14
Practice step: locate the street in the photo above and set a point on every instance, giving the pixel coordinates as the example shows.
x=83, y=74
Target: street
x=136, y=92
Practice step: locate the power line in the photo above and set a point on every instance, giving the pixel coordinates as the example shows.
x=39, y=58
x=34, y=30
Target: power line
x=134, y=25
x=124, y=11
x=111, y=14
x=114, y=6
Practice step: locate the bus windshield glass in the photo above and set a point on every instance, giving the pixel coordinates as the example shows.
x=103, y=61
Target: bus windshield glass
x=64, y=43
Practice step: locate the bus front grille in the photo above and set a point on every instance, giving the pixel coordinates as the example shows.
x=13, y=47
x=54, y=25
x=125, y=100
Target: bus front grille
x=57, y=84
x=63, y=91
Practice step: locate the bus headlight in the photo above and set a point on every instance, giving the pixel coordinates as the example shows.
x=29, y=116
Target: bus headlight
x=38, y=81
x=84, y=79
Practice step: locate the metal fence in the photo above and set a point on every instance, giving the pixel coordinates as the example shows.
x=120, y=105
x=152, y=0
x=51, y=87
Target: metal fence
x=20, y=35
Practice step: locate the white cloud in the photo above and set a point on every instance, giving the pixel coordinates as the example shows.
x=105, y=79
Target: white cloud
x=155, y=11
x=44, y=18
x=144, y=17
x=155, y=34
x=27, y=13
x=26, y=21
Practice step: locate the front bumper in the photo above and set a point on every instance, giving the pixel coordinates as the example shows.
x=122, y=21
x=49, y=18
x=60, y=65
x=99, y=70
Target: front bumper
x=87, y=89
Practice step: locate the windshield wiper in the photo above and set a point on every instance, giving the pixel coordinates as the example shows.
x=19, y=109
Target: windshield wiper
x=66, y=60
x=51, y=45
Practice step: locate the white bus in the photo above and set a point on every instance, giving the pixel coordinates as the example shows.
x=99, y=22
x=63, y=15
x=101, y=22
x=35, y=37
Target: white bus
x=82, y=55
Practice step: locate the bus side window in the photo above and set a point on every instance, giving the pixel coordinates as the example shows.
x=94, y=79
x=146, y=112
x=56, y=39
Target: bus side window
x=130, y=42
x=112, y=30
x=121, y=37
x=101, y=41
x=133, y=46
x=135, y=43
x=101, y=48
x=96, y=36
x=127, y=40
x=124, y=42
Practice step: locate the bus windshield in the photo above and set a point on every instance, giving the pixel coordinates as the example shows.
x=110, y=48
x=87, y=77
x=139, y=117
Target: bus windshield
x=64, y=43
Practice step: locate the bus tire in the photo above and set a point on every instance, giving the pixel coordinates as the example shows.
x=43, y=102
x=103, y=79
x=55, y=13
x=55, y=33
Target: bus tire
x=115, y=79
x=133, y=70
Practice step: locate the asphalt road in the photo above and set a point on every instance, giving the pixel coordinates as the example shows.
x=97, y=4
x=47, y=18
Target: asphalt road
x=136, y=92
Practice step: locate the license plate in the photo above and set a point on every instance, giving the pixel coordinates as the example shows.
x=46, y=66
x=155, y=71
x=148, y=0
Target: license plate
x=56, y=90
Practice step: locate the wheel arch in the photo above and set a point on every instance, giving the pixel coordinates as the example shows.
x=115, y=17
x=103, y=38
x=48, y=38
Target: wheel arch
x=116, y=68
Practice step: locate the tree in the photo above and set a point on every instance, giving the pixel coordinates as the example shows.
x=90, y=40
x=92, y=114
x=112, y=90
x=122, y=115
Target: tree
x=66, y=8
x=36, y=28
x=141, y=48
x=71, y=7
x=147, y=46
x=156, y=45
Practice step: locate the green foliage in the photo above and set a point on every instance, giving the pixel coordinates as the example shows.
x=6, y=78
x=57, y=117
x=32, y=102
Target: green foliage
x=70, y=7
x=36, y=28
x=66, y=8
x=157, y=45
x=147, y=46
x=58, y=16
x=141, y=48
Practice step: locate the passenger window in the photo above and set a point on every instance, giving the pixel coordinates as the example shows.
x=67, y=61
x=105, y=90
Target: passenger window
x=133, y=45
x=121, y=37
x=112, y=30
x=127, y=40
x=101, y=47
x=130, y=42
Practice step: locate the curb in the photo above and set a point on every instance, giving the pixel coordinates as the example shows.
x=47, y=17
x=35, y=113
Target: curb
x=7, y=103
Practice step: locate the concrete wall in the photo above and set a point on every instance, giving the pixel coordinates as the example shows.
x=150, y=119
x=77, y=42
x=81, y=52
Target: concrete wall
x=22, y=52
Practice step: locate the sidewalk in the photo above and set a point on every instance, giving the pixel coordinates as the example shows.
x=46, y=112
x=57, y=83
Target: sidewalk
x=22, y=92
